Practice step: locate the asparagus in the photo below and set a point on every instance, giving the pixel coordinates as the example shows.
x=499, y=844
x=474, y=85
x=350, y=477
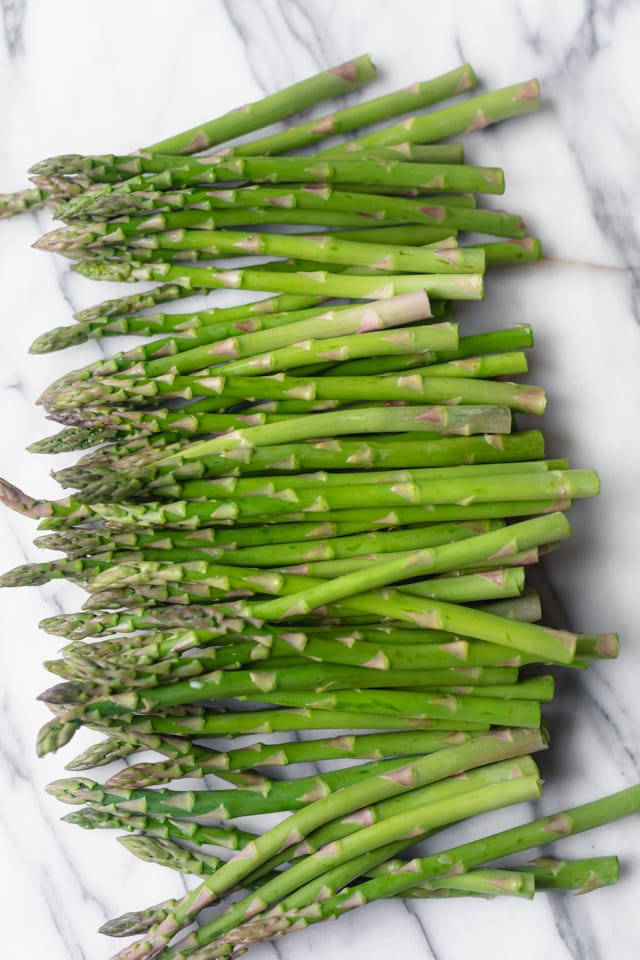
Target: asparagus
x=374, y=451
x=144, y=170
x=231, y=539
x=299, y=96
x=260, y=684
x=228, y=836
x=167, y=853
x=409, y=388
x=305, y=205
x=238, y=488
x=22, y=200
x=420, y=94
x=282, y=721
x=476, y=113
x=259, y=754
x=445, y=286
x=344, y=853
x=219, y=322
x=177, y=548
x=425, y=561
x=467, y=856
x=523, y=880
x=193, y=531
x=76, y=626
x=249, y=117
x=147, y=324
x=281, y=459
x=435, y=500
x=293, y=830
x=490, y=774
x=249, y=333
x=415, y=800
x=271, y=796
x=324, y=248
x=113, y=748
x=285, y=330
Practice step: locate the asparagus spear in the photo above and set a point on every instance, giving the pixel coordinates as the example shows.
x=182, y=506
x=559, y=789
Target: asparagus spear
x=228, y=836
x=344, y=853
x=164, y=171
x=305, y=205
x=420, y=94
x=467, y=856
x=259, y=754
x=475, y=113
x=296, y=827
x=277, y=106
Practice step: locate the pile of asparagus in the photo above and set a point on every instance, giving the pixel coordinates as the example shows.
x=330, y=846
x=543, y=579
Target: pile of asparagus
x=312, y=512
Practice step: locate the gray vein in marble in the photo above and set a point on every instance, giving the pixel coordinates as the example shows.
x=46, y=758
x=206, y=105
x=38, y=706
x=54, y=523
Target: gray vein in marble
x=587, y=41
x=58, y=917
x=618, y=739
x=232, y=9
x=610, y=209
x=13, y=762
x=267, y=27
x=316, y=49
x=609, y=202
x=579, y=941
x=414, y=913
x=52, y=599
x=13, y=737
x=276, y=949
x=13, y=20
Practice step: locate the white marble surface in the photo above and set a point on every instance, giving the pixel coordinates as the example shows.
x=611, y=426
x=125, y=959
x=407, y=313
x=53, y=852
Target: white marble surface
x=90, y=78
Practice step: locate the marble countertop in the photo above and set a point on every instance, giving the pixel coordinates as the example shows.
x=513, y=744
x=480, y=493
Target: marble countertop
x=108, y=77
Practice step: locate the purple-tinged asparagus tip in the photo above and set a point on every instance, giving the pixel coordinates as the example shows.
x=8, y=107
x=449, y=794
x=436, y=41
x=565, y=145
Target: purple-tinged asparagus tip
x=21, y=502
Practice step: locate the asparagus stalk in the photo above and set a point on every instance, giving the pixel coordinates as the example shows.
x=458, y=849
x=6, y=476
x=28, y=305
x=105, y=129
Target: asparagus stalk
x=476, y=113
x=403, y=804
x=272, y=796
x=293, y=830
x=491, y=774
x=343, y=853
x=176, y=548
x=167, y=853
x=308, y=204
x=163, y=171
x=466, y=856
x=426, y=561
x=283, y=330
x=420, y=94
x=444, y=286
x=277, y=106
x=13, y=203
x=508, y=495
x=371, y=452
x=324, y=248
x=228, y=836
x=198, y=618
x=333, y=82
x=200, y=762
x=183, y=324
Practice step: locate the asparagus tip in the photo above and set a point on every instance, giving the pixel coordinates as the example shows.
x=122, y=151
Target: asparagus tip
x=21, y=502
x=58, y=339
x=25, y=575
x=55, y=734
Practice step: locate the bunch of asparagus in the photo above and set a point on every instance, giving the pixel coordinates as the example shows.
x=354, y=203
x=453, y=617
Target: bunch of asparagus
x=299, y=514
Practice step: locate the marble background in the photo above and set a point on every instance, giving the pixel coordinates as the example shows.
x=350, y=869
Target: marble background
x=92, y=78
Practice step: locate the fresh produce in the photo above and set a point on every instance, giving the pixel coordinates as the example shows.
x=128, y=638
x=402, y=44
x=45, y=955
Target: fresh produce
x=298, y=514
